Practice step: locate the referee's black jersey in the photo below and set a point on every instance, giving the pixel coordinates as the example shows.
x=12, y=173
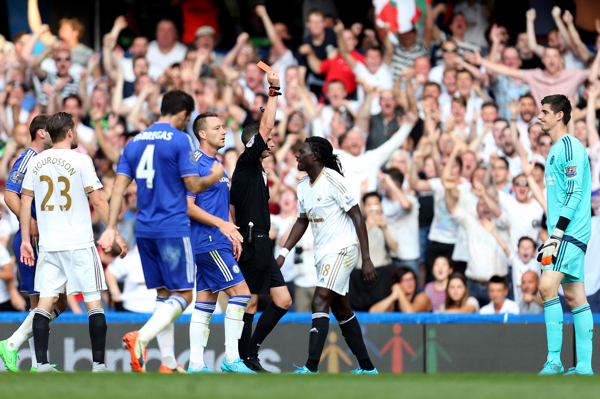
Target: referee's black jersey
x=249, y=189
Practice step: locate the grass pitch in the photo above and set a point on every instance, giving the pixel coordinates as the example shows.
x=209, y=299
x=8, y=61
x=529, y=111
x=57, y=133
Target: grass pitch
x=323, y=386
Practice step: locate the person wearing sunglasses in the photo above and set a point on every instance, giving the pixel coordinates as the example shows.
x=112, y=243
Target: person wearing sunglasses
x=449, y=55
x=64, y=80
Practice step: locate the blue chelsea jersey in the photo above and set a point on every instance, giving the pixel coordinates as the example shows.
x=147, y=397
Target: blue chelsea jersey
x=17, y=173
x=158, y=159
x=215, y=201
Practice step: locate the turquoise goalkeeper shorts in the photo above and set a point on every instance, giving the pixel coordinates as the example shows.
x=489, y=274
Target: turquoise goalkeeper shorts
x=570, y=261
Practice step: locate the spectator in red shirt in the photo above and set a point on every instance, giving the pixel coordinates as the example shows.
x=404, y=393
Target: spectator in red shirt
x=336, y=68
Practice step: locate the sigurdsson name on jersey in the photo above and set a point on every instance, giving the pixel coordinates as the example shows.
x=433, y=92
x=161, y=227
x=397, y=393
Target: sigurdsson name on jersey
x=54, y=161
x=153, y=136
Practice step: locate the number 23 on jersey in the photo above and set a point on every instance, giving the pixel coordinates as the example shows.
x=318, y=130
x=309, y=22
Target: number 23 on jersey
x=64, y=193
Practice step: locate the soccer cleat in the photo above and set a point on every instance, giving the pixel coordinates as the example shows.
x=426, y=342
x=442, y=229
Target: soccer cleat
x=9, y=357
x=204, y=370
x=573, y=371
x=47, y=368
x=33, y=370
x=237, y=366
x=361, y=371
x=167, y=370
x=99, y=368
x=304, y=370
x=253, y=363
x=138, y=351
x=551, y=368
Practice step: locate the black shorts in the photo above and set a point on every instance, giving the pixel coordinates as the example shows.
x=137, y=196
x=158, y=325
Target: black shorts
x=258, y=265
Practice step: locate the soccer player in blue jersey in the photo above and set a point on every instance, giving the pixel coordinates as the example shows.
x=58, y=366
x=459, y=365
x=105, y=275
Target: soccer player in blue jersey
x=568, y=181
x=40, y=141
x=217, y=270
x=161, y=160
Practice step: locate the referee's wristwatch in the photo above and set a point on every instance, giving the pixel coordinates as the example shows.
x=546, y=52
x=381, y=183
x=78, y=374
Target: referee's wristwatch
x=273, y=91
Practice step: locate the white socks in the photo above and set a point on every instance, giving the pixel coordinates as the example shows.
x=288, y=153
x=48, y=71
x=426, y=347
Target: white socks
x=166, y=340
x=199, y=333
x=25, y=332
x=234, y=325
x=164, y=315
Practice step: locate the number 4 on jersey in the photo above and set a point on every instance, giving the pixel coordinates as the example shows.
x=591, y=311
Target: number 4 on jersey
x=145, y=169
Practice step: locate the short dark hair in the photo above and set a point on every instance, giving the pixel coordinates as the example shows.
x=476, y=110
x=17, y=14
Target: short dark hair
x=175, y=101
x=499, y=280
x=58, y=125
x=39, y=122
x=372, y=48
x=430, y=83
x=264, y=97
x=527, y=95
x=399, y=272
x=396, y=175
x=543, y=134
x=465, y=71
x=17, y=36
x=489, y=104
x=250, y=131
x=559, y=103
x=200, y=122
x=525, y=238
x=72, y=96
x=503, y=159
x=369, y=195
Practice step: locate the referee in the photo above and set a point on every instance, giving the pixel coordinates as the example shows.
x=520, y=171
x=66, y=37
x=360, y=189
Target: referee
x=250, y=211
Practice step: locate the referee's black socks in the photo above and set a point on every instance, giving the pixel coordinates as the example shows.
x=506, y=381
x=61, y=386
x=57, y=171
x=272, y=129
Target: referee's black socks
x=316, y=341
x=41, y=335
x=244, y=341
x=267, y=322
x=97, y=326
x=353, y=336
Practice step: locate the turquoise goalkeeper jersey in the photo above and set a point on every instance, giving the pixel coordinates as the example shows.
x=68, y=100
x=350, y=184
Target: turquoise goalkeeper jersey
x=569, y=186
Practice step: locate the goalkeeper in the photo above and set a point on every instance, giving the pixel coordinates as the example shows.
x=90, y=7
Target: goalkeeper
x=568, y=183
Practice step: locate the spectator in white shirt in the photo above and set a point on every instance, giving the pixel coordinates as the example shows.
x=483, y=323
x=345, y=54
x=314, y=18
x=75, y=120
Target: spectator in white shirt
x=522, y=262
x=499, y=304
x=135, y=296
x=487, y=249
x=531, y=302
x=165, y=50
x=85, y=134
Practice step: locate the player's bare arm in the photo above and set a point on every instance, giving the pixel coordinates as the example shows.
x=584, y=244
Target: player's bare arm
x=27, y=255
x=370, y=275
x=107, y=239
x=228, y=229
x=101, y=206
x=295, y=235
x=267, y=122
x=197, y=184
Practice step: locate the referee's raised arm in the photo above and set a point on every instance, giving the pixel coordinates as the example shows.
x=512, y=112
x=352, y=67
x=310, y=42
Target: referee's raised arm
x=267, y=122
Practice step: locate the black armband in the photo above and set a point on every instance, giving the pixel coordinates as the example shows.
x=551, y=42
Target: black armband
x=562, y=223
x=273, y=92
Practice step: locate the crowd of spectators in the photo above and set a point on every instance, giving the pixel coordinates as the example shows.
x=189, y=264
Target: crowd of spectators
x=436, y=130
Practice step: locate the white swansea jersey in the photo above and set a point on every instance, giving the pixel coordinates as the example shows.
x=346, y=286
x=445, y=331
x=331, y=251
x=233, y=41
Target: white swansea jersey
x=60, y=180
x=325, y=203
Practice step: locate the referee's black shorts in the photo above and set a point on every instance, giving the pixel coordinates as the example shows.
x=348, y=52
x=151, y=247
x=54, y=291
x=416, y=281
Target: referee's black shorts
x=258, y=264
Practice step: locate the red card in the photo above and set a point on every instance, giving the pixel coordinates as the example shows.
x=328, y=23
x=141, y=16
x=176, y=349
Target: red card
x=264, y=66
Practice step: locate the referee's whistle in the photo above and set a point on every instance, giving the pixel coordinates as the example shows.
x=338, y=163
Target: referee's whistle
x=250, y=226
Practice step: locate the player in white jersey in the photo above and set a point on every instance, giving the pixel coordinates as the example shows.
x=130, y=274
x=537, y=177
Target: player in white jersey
x=325, y=202
x=61, y=180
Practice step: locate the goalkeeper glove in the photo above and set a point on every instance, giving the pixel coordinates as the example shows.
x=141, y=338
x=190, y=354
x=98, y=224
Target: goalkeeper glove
x=549, y=250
